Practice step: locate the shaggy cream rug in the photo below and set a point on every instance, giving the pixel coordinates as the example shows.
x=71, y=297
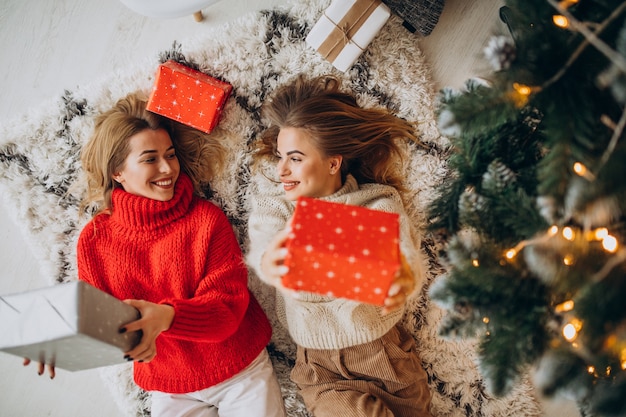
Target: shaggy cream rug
x=39, y=164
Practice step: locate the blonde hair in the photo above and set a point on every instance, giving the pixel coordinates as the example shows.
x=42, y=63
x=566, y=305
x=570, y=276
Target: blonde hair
x=201, y=156
x=365, y=138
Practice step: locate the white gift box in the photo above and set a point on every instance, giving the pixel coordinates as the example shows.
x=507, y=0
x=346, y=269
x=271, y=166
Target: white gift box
x=346, y=28
x=72, y=326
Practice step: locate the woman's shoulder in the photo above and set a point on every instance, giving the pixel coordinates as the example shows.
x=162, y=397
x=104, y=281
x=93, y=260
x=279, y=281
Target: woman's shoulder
x=271, y=203
x=99, y=222
x=209, y=208
x=380, y=197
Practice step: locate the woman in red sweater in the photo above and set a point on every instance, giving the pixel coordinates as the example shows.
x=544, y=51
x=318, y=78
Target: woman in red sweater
x=173, y=255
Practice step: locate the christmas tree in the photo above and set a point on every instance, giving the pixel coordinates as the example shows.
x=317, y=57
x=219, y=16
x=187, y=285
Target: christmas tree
x=532, y=212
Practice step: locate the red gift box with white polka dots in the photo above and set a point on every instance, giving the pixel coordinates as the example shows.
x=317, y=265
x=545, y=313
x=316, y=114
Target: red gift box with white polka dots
x=343, y=251
x=188, y=96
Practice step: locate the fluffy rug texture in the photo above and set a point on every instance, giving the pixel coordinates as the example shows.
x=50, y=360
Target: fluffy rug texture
x=39, y=165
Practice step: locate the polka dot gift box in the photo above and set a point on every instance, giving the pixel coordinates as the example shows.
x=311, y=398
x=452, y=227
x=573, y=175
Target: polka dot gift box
x=72, y=326
x=188, y=96
x=342, y=251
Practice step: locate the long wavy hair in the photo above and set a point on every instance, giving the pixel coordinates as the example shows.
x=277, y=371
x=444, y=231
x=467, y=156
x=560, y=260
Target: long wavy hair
x=367, y=139
x=201, y=156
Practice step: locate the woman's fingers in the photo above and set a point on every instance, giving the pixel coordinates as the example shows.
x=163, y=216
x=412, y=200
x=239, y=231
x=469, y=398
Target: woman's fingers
x=51, y=371
x=141, y=353
x=41, y=368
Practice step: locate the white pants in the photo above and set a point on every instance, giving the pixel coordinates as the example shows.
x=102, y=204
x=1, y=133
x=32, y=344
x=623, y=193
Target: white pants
x=253, y=392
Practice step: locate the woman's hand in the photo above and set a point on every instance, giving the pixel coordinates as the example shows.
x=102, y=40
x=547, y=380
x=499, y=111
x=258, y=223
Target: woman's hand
x=401, y=287
x=41, y=367
x=155, y=319
x=273, y=261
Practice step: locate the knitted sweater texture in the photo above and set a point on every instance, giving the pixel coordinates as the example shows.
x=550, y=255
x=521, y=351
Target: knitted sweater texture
x=184, y=253
x=318, y=321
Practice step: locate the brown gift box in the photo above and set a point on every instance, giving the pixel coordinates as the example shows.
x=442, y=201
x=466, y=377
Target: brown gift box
x=72, y=326
x=346, y=28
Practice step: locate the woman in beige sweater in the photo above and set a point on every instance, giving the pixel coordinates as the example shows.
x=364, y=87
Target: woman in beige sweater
x=353, y=359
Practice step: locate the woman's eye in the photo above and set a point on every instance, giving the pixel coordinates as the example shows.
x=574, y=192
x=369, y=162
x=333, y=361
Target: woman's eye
x=295, y=159
x=171, y=156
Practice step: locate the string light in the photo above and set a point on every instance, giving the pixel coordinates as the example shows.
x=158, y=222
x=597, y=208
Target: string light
x=568, y=260
x=510, y=254
x=609, y=243
x=560, y=21
x=565, y=4
x=601, y=233
x=571, y=329
x=553, y=230
x=486, y=320
x=568, y=233
x=565, y=306
x=475, y=263
x=581, y=170
x=591, y=369
x=521, y=95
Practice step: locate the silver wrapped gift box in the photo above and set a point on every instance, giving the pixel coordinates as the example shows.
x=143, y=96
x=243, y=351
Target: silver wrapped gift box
x=73, y=326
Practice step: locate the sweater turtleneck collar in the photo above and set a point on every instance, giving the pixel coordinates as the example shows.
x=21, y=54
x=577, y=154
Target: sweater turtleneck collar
x=349, y=186
x=141, y=213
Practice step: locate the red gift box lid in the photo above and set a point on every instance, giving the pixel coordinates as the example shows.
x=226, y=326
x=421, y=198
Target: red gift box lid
x=188, y=96
x=342, y=250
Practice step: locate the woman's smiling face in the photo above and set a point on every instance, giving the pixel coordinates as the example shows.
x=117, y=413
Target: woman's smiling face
x=303, y=170
x=151, y=167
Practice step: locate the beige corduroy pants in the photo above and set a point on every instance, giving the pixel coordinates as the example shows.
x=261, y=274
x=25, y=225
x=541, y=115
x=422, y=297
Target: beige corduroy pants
x=383, y=378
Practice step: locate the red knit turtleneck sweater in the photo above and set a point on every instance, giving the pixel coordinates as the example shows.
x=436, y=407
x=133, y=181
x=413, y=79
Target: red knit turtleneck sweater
x=182, y=252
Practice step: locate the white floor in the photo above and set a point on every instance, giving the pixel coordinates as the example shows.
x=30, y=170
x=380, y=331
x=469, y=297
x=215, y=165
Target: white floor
x=50, y=45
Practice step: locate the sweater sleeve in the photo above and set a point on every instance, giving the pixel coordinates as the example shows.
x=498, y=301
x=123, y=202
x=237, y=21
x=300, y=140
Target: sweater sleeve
x=221, y=298
x=268, y=216
x=88, y=267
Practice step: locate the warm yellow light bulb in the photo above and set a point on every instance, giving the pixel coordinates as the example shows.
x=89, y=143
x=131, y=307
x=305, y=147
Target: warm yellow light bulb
x=601, y=233
x=510, y=254
x=571, y=329
x=580, y=169
x=565, y=306
x=591, y=369
x=609, y=243
x=569, y=332
x=486, y=320
x=475, y=263
x=568, y=260
x=522, y=89
x=553, y=230
x=568, y=233
x=560, y=21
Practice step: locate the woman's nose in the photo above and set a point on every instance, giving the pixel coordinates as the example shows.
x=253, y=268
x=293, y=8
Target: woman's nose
x=281, y=168
x=165, y=166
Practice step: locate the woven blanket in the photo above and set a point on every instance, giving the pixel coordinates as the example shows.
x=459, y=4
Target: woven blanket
x=39, y=167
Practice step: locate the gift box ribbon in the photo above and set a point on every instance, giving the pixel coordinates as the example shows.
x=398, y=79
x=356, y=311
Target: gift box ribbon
x=345, y=29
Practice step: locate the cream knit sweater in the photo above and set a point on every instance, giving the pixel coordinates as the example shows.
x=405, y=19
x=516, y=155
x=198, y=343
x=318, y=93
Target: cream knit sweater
x=321, y=322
